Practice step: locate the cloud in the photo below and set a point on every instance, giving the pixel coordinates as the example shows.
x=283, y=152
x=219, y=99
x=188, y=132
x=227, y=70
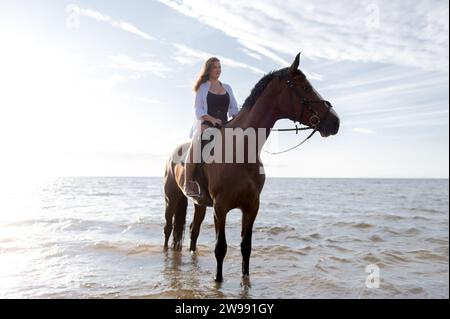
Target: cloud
x=185, y=55
x=416, y=119
x=394, y=32
x=190, y=56
x=128, y=63
x=104, y=84
x=410, y=108
x=73, y=20
x=264, y=51
x=363, y=131
x=389, y=93
x=251, y=54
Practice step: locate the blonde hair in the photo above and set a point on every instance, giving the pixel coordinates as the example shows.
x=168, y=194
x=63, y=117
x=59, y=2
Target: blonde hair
x=204, y=73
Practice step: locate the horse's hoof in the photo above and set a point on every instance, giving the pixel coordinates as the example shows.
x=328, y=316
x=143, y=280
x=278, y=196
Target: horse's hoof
x=218, y=279
x=245, y=281
x=177, y=246
x=193, y=252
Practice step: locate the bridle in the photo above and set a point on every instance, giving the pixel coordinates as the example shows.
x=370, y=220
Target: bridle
x=314, y=121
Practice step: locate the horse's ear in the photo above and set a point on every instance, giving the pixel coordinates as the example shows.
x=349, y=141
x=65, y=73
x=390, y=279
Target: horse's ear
x=295, y=65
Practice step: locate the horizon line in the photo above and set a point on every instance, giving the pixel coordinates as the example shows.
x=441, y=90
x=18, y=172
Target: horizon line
x=285, y=177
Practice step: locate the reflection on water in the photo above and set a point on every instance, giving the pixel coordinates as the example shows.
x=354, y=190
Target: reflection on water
x=313, y=238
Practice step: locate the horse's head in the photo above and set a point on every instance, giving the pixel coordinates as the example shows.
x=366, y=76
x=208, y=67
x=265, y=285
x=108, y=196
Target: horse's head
x=299, y=101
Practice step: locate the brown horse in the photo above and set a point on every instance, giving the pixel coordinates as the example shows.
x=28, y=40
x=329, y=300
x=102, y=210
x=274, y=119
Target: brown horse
x=285, y=93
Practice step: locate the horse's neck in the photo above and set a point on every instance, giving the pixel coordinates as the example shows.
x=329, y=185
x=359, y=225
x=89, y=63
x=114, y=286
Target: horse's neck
x=260, y=116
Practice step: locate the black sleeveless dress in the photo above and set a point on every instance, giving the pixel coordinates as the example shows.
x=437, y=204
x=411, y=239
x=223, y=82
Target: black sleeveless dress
x=217, y=107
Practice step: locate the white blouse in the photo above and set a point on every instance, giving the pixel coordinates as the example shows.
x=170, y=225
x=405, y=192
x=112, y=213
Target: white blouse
x=201, y=105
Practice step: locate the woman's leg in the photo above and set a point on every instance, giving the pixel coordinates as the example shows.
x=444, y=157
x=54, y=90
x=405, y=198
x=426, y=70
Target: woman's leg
x=191, y=187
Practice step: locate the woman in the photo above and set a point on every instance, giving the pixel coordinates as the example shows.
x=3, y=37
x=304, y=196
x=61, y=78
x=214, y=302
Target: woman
x=213, y=100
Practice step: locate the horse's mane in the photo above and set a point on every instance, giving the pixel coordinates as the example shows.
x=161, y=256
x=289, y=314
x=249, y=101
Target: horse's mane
x=260, y=86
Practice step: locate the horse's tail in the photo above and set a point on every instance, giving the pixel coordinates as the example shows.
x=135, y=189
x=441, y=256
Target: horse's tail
x=176, y=207
x=170, y=211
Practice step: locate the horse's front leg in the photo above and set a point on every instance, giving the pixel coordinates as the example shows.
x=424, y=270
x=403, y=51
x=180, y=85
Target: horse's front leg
x=221, y=242
x=248, y=218
x=199, y=215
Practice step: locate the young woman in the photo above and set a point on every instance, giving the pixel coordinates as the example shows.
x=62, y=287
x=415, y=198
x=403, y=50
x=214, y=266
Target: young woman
x=214, y=102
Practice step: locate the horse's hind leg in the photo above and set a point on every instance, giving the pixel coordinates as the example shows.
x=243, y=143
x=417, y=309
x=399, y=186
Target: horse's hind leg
x=199, y=215
x=179, y=222
x=175, y=214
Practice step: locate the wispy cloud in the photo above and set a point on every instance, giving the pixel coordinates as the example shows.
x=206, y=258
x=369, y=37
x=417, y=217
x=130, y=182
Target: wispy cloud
x=394, y=32
x=190, y=56
x=424, y=118
x=402, y=109
x=75, y=12
x=363, y=131
x=128, y=63
x=251, y=54
x=185, y=55
x=263, y=50
x=218, y=14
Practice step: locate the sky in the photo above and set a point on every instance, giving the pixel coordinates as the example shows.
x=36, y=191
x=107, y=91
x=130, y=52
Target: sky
x=103, y=88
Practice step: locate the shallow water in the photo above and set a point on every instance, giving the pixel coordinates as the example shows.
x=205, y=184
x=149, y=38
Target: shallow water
x=102, y=237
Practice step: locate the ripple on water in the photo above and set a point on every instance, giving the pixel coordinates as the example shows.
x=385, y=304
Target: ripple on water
x=315, y=236
x=395, y=257
x=426, y=255
x=127, y=248
x=371, y=258
x=279, y=250
x=393, y=217
x=363, y=225
x=340, y=248
x=425, y=210
x=275, y=230
x=103, y=194
x=360, y=225
x=416, y=290
x=439, y=241
x=340, y=259
x=412, y=231
x=376, y=239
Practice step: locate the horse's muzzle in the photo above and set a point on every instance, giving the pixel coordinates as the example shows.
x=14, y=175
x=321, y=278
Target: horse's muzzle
x=331, y=126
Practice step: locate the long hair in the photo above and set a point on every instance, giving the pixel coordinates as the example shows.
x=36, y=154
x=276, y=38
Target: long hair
x=204, y=73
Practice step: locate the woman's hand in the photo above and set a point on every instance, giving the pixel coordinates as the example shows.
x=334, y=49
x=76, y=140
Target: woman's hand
x=216, y=122
x=211, y=119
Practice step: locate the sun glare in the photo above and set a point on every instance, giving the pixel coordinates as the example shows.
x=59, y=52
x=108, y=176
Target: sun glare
x=45, y=100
